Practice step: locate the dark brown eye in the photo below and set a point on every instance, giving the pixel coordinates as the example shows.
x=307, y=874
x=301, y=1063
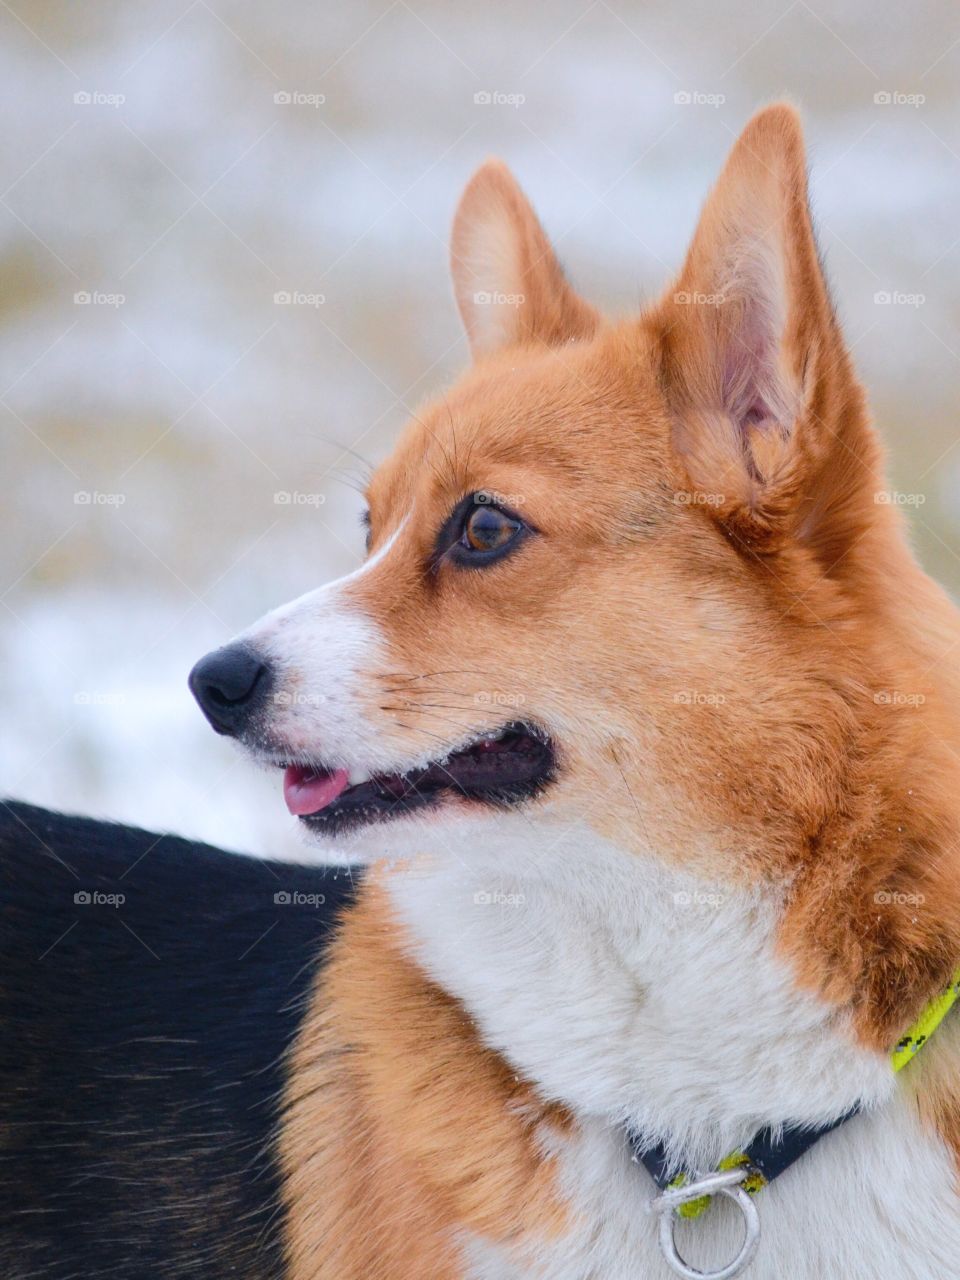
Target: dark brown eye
x=479, y=531
x=487, y=529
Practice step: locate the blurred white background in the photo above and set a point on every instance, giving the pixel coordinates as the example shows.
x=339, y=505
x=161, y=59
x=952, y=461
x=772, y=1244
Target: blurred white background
x=169, y=168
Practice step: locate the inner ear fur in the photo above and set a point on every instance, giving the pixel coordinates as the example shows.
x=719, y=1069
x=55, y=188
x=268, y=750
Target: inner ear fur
x=508, y=282
x=769, y=420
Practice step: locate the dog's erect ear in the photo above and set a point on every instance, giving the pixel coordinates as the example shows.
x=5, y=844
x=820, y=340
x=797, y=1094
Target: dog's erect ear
x=770, y=422
x=509, y=286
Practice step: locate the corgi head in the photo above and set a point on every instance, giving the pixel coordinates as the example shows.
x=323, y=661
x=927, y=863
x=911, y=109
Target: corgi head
x=631, y=575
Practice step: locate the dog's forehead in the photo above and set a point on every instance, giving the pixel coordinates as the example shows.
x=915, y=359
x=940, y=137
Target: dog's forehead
x=571, y=413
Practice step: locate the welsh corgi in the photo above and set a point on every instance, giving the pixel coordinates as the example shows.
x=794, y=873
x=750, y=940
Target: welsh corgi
x=649, y=724
x=642, y=727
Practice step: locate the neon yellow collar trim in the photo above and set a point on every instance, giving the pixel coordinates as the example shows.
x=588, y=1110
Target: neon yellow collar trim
x=909, y=1045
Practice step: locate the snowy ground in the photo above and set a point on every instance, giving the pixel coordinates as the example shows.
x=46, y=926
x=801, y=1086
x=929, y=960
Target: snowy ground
x=186, y=188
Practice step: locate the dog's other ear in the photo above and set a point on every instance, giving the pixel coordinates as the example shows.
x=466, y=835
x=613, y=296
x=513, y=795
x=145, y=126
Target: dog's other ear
x=769, y=419
x=509, y=286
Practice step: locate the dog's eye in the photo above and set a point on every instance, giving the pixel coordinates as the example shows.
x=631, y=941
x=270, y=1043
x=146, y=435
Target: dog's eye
x=487, y=529
x=479, y=532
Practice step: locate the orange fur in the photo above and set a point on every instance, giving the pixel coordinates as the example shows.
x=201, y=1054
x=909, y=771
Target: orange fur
x=401, y=1129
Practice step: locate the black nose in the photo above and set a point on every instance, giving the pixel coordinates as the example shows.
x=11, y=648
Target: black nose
x=230, y=684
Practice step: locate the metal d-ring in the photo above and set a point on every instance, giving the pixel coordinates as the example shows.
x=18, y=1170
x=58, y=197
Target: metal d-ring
x=726, y=1183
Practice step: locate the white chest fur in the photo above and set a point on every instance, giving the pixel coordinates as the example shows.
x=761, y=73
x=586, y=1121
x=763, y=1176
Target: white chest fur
x=634, y=994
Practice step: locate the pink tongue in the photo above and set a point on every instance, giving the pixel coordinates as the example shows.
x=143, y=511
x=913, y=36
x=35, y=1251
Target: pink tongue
x=309, y=792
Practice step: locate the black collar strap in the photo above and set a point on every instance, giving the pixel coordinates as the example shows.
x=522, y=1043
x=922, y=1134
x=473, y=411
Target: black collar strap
x=765, y=1158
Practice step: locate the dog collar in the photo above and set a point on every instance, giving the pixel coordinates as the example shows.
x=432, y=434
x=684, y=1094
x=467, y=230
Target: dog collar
x=745, y=1172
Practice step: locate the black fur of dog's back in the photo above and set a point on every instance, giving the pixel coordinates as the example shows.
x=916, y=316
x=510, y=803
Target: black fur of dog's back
x=141, y=1048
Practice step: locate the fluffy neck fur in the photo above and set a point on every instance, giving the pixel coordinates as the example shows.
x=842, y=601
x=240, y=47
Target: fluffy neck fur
x=629, y=992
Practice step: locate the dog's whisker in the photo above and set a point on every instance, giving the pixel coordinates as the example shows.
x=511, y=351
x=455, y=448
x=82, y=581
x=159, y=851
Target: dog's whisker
x=426, y=732
x=442, y=706
x=348, y=482
x=417, y=711
x=345, y=448
x=429, y=675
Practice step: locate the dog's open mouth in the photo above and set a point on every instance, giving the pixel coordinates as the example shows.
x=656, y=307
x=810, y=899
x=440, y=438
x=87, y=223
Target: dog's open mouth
x=499, y=769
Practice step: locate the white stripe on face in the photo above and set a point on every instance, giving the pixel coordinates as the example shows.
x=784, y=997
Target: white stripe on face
x=323, y=649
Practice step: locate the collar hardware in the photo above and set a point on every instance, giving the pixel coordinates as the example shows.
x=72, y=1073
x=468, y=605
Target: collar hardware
x=726, y=1182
